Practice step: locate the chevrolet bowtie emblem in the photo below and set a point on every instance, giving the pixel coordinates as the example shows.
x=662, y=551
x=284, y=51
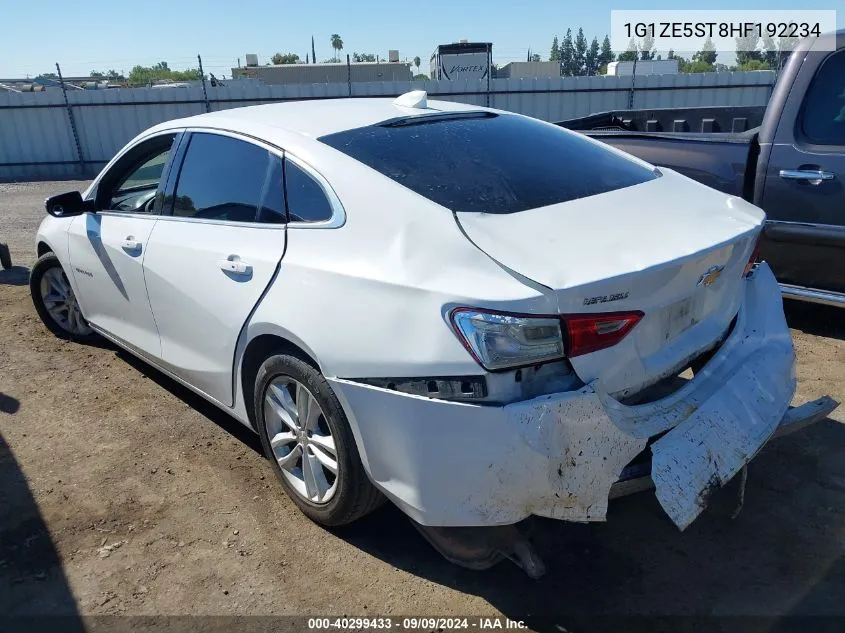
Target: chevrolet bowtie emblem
x=710, y=277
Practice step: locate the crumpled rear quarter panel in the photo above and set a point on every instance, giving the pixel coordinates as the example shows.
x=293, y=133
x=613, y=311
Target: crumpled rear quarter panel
x=453, y=464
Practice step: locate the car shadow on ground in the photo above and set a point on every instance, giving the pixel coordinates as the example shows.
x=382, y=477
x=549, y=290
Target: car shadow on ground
x=14, y=276
x=780, y=556
x=816, y=319
x=32, y=583
x=198, y=403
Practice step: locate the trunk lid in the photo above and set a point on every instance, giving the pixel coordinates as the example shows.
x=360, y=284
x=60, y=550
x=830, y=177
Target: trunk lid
x=670, y=247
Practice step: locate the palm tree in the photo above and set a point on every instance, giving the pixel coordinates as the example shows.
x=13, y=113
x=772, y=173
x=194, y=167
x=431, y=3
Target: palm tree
x=417, y=64
x=337, y=44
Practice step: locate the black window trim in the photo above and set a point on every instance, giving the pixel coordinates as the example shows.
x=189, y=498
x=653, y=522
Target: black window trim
x=173, y=177
x=337, y=220
x=92, y=192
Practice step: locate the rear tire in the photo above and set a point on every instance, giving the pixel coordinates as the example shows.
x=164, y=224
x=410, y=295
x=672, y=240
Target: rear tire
x=55, y=302
x=311, y=450
x=5, y=256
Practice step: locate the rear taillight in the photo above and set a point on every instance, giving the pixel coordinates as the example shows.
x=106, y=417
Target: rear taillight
x=502, y=340
x=755, y=254
x=591, y=332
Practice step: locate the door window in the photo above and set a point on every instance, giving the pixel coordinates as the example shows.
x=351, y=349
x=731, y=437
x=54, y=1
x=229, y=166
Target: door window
x=130, y=186
x=823, y=115
x=307, y=202
x=223, y=178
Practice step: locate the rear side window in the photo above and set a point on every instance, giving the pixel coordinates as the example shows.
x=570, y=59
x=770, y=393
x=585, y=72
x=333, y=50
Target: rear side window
x=307, y=201
x=489, y=163
x=223, y=178
x=823, y=115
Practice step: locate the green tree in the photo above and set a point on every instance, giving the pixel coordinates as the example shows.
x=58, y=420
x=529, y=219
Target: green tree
x=554, y=56
x=696, y=66
x=535, y=57
x=363, y=57
x=567, y=55
x=110, y=74
x=580, y=60
x=313, y=51
x=605, y=56
x=630, y=54
x=746, y=49
x=770, y=52
x=785, y=47
x=647, y=48
x=337, y=45
x=706, y=55
x=141, y=75
x=420, y=77
x=754, y=64
x=287, y=58
x=592, y=58
x=417, y=62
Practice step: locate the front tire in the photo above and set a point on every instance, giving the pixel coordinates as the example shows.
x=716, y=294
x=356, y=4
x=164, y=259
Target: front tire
x=307, y=438
x=55, y=301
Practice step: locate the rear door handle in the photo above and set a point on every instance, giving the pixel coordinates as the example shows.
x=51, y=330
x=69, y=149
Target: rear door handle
x=813, y=176
x=234, y=264
x=130, y=243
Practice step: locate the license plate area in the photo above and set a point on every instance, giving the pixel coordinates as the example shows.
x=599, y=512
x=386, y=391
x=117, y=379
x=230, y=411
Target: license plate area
x=679, y=317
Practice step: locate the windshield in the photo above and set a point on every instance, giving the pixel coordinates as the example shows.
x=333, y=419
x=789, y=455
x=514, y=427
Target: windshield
x=489, y=163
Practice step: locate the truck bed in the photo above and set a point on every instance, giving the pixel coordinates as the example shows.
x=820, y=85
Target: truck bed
x=717, y=159
x=702, y=120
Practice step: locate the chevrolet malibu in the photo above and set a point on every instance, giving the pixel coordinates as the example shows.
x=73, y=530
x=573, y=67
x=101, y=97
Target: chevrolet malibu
x=474, y=314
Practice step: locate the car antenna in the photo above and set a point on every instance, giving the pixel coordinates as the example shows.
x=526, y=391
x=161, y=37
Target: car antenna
x=414, y=99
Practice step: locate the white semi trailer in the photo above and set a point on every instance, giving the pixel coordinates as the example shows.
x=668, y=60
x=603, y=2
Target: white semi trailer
x=462, y=60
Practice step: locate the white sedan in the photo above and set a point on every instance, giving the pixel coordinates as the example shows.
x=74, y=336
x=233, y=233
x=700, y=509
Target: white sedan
x=475, y=314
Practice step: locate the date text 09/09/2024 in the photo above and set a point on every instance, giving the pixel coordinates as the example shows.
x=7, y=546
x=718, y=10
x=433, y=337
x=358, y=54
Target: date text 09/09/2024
x=723, y=29
x=414, y=623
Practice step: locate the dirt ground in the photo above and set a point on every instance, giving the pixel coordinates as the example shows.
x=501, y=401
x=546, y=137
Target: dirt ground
x=123, y=493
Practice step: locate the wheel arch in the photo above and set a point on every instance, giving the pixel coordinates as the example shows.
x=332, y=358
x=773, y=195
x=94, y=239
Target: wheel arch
x=43, y=247
x=260, y=348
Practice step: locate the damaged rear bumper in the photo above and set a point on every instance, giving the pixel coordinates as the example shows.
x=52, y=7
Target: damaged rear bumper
x=455, y=464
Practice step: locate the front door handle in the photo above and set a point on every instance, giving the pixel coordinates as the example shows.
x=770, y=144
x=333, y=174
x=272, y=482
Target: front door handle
x=234, y=264
x=813, y=176
x=130, y=243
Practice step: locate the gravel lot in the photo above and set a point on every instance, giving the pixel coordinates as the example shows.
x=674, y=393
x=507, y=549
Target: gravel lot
x=122, y=493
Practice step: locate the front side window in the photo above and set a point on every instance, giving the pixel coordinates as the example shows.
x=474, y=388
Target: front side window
x=130, y=185
x=224, y=178
x=489, y=163
x=823, y=114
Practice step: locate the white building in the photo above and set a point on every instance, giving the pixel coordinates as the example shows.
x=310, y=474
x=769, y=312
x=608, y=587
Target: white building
x=652, y=67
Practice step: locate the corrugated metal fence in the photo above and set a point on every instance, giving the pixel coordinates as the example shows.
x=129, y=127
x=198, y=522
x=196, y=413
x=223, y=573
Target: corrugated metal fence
x=37, y=139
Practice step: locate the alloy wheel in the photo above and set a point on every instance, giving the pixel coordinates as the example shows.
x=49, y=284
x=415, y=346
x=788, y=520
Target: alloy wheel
x=301, y=440
x=61, y=303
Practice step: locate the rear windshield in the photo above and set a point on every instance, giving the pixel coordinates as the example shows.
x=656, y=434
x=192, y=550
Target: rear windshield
x=489, y=163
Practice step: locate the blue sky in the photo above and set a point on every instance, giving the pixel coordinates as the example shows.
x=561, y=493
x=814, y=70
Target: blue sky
x=102, y=34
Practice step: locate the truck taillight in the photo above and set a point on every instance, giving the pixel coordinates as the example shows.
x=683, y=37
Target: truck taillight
x=591, y=332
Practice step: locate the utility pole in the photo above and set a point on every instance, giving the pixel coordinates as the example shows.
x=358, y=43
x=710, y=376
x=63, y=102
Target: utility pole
x=204, y=91
x=71, y=120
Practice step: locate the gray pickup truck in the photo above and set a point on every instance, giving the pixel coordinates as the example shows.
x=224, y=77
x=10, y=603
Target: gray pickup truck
x=792, y=165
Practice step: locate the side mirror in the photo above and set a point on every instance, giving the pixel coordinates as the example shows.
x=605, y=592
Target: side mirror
x=66, y=204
